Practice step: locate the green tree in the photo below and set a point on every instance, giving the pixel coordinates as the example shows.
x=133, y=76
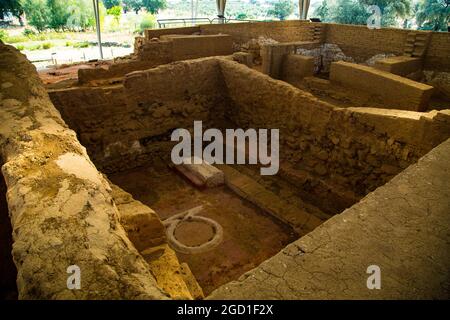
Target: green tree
x=351, y=12
x=37, y=13
x=134, y=5
x=241, y=16
x=343, y=11
x=322, y=11
x=355, y=11
x=391, y=10
x=399, y=8
x=81, y=14
x=281, y=9
x=153, y=6
x=148, y=22
x=116, y=12
x=13, y=7
x=58, y=14
x=433, y=15
x=111, y=3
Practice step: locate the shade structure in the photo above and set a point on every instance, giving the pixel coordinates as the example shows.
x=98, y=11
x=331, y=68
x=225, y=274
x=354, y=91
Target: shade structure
x=303, y=7
x=97, y=26
x=221, y=10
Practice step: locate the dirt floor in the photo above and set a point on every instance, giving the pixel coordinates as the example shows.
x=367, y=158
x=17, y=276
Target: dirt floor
x=60, y=73
x=250, y=235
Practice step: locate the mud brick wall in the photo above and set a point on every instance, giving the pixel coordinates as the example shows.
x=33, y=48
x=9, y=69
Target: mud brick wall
x=159, y=52
x=358, y=149
x=397, y=92
x=438, y=54
x=295, y=67
x=344, y=153
x=148, y=55
x=400, y=65
x=358, y=42
x=285, y=31
x=124, y=126
x=361, y=43
x=156, y=33
x=191, y=47
x=118, y=70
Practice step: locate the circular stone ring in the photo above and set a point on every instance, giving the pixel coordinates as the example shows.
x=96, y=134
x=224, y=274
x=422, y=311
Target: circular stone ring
x=172, y=223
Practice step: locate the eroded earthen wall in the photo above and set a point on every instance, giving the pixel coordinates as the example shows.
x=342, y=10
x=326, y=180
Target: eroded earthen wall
x=361, y=43
x=353, y=150
x=358, y=42
x=8, y=271
x=124, y=126
x=403, y=228
x=337, y=155
x=285, y=31
x=60, y=206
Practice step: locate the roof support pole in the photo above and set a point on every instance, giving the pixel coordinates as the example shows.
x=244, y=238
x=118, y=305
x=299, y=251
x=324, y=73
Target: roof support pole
x=97, y=25
x=221, y=10
x=303, y=7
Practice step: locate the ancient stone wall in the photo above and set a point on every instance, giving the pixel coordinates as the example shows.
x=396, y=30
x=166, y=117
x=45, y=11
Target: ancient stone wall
x=295, y=67
x=337, y=154
x=154, y=52
x=156, y=33
x=397, y=92
x=438, y=52
x=274, y=55
x=400, y=65
x=356, y=148
x=361, y=43
x=125, y=125
x=119, y=69
x=60, y=206
x=285, y=31
x=402, y=227
x=197, y=46
x=347, y=42
x=358, y=42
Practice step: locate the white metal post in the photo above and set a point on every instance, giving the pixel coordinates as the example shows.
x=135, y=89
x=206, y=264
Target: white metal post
x=97, y=24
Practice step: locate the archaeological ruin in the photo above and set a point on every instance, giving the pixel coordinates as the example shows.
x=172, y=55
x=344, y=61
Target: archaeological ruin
x=363, y=179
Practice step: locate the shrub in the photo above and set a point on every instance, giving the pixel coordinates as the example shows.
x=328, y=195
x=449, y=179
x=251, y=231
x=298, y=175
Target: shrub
x=15, y=39
x=28, y=32
x=34, y=47
x=3, y=35
x=148, y=22
x=20, y=47
x=37, y=13
x=47, y=45
x=83, y=44
x=115, y=11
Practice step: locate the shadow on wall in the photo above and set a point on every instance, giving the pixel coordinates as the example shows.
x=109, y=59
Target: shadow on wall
x=8, y=271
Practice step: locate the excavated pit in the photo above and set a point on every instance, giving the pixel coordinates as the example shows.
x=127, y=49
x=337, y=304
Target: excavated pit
x=330, y=157
x=250, y=234
x=340, y=139
x=256, y=214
